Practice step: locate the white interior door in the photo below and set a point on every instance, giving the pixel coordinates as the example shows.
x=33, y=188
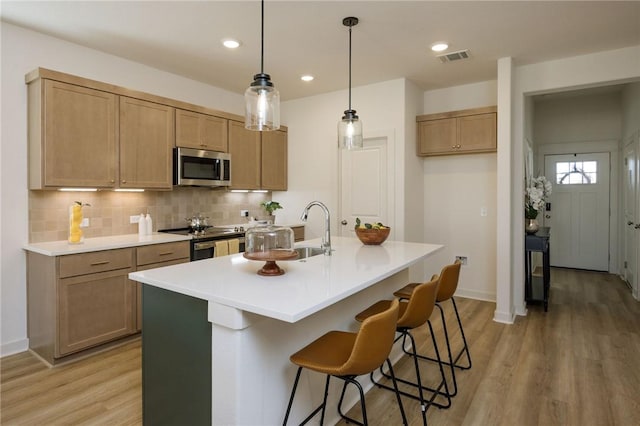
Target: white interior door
x=366, y=177
x=579, y=213
x=631, y=214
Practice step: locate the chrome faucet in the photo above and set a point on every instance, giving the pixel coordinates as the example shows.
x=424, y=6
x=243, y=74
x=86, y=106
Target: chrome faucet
x=326, y=239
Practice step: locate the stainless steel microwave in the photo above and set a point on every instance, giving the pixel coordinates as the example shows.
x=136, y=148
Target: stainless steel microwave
x=199, y=167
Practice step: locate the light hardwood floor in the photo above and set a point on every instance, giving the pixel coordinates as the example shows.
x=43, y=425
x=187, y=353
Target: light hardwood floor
x=577, y=364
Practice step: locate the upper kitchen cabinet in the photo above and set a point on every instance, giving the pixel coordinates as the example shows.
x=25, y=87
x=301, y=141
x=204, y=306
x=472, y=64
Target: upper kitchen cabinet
x=259, y=159
x=72, y=136
x=274, y=160
x=457, y=132
x=146, y=142
x=201, y=131
x=246, y=157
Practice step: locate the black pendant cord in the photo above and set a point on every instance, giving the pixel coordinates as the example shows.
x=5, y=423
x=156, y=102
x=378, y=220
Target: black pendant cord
x=262, y=40
x=350, y=67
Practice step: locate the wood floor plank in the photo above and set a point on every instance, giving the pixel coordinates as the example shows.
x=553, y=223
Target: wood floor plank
x=577, y=364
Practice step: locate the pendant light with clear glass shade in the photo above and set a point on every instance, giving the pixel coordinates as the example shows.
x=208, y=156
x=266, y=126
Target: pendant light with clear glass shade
x=262, y=100
x=350, y=128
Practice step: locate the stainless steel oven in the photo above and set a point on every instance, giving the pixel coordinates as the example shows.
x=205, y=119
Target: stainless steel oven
x=203, y=243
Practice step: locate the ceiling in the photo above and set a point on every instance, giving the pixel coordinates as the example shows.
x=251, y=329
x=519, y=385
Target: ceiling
x=391, y=41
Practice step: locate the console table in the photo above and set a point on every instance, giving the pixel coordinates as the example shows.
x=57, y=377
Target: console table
x=537, y=288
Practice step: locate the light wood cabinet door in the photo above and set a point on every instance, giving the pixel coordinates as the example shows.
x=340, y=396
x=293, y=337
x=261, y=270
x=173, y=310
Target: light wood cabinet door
x=146, y=140
x=201, y=131
x=78, y=146
x=457, y=132
x=274, y=160
x=437, y=136
x=477, y=133
x=94, y=309
x=246, y=156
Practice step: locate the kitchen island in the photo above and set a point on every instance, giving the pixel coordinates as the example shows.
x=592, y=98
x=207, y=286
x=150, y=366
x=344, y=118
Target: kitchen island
x=217, y=337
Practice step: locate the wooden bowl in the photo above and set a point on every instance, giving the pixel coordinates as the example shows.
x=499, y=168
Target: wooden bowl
x=372, y=237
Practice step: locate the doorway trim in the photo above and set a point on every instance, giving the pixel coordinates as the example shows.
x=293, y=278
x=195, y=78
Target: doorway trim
x=389, y=135
x=613, y=148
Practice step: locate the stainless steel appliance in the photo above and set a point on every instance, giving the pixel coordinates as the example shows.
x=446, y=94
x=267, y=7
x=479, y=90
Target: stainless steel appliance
x=203, y=241
x=199, y=167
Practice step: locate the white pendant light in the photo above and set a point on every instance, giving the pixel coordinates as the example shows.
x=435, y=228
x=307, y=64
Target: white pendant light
x=350, y=128
x=262, y=100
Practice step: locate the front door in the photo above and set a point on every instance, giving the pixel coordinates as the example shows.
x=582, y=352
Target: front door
x=631, y=214
x=579, y=210
x=366, y=184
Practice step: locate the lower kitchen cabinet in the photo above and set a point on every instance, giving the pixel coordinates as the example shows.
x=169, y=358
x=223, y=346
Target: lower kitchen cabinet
x=94, y=309
x=80, y=302
x=156, y=256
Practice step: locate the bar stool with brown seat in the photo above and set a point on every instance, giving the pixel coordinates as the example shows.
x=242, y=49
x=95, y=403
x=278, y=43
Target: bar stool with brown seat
x=448, y=284
x=347, y=355
x=414, y=313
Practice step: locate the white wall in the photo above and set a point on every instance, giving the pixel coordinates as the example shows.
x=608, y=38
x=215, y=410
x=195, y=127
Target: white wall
x=630, y=110
x=456, y=188
x=580, y=118
x=23, y=51
x=614, y=66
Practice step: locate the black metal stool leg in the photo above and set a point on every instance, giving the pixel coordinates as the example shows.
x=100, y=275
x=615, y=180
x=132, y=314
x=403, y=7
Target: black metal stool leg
x=363, y=408
x=451, y=361
x=395, y=385
x=293, y=392
x=464, y=339
x=314, y=412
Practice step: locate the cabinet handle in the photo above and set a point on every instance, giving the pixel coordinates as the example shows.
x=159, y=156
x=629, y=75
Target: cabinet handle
x=629, y=223
x=124, y=181
x=104, y=262
x=165, y=253
x=453, y=147
x=637, y=226
x=113, y=181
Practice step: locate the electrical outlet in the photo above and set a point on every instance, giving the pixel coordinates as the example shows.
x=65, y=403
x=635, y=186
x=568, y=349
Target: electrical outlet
x=483, y=211
x=462, y=259
x=134, y=219
x=244, y=213
x=84, y=223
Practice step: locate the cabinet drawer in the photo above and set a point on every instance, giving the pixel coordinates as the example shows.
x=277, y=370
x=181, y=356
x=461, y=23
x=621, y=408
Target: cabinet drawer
x=162, y=252
x=99, y=261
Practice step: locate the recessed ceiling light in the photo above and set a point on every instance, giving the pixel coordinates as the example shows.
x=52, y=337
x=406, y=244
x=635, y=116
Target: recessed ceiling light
x=230, y=43
x=306, y=78
x=439, y=46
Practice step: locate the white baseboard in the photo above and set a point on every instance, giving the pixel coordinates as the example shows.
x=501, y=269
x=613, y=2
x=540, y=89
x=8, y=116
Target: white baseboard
x=504, y=317
x=475, y=294
x=14, y=347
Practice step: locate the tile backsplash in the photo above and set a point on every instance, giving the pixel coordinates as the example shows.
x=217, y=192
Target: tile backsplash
x=109, y=211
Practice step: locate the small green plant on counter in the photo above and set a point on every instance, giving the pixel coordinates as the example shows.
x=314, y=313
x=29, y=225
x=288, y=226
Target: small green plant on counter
x=271, y=206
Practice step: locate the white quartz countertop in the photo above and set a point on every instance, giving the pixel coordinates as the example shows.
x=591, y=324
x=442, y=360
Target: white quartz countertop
x=61, y=248
x=308, y=286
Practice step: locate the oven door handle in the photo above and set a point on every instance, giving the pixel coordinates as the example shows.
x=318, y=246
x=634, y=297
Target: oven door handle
x=204, y=245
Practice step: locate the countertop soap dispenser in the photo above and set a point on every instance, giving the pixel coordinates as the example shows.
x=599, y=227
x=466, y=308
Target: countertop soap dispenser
x=142, y=225
x=148, y=222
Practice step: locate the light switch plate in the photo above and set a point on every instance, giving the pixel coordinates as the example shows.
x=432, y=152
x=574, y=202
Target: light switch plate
x=84, y=223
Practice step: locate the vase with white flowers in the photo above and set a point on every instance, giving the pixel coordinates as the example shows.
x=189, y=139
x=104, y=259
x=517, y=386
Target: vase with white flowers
x=535, y=199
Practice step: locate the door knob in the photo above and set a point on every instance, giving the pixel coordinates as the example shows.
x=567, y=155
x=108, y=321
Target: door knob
x=344, y=222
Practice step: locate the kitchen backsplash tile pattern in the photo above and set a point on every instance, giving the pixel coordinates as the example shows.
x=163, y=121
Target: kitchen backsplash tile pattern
x=109, y=211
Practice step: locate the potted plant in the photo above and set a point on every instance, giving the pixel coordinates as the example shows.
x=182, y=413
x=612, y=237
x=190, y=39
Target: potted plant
x=535, y=198
x=270, y=206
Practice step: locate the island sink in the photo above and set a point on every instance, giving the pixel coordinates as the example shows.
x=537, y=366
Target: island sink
x=304, y=252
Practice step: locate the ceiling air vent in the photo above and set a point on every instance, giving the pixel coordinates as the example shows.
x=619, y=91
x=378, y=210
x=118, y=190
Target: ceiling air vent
x=454, y=56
